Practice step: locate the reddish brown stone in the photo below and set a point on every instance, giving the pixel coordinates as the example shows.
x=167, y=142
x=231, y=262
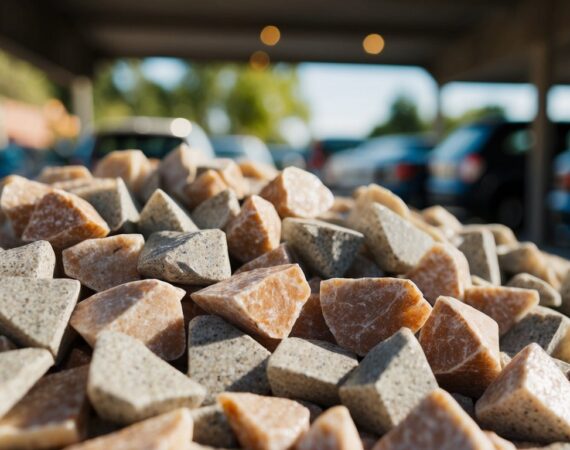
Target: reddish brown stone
x=361, y=313
x=506, y=305
x=130, y=165
x=208, y=184
x=229, y=172
x=281, y=255
x=177, y=170
x=255, y=231
x=56, y=174
x=64, y=220
x=311, y=324
x=264, y=301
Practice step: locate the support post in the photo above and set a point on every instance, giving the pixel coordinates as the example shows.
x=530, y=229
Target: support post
x=439, y=120
x=82, y=102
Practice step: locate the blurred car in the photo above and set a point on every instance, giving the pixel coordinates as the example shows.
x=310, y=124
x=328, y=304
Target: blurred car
x=242, y=147
x=481, y=168
x=286, y=156
x=154, y=136
x=396, y=162
x=323, y=149
x=16, y=159
x=559, y=198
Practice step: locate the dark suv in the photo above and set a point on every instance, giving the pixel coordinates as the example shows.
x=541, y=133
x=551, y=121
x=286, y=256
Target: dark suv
x=481, y=168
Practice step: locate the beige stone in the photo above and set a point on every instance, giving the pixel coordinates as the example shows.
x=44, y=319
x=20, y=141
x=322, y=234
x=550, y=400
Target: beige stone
x=548, y=296
x=374, y=193
x=206, y=185
x=162, y=213
x=53, y=174
x=177, y=169
x=503, y=235
x=333, y=430
x=525, y=257
x=438, y=216
x=229, y=172
x=277, y=257
x=257, y=170
x=130, y=165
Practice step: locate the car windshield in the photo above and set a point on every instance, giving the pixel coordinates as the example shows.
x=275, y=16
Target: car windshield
x=462, y=142
x=153, y=146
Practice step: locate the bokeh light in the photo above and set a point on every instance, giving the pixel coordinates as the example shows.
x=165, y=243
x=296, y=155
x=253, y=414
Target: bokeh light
x=373, y=44
x=259, y=60
x=270, y=35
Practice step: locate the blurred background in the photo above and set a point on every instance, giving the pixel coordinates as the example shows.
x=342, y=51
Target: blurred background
x=463, y=103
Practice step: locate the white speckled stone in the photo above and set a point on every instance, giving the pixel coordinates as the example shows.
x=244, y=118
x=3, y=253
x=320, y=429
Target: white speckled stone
x=128, y=383
x=309, y=370
x=222, y=358
x=19, y=371
x=36, y=312
x=162, y=213
x=212, y=428
x=389, y=382
x=216, y=212
x=35, y=260
x=548, y=296
x=195, y=258
x=481, y=253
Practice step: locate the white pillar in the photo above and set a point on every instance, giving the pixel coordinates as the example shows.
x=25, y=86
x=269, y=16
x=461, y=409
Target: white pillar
x=82, y=102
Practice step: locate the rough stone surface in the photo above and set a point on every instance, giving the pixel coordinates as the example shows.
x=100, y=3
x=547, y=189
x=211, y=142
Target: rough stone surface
x=130, y=165
x=223, y=358
x=438, y=423
x=548, y=296
x=462, y=347
x=148, y=310
x=195, y=258
x=212, y=428
x=52, y=414
x=374, y=193
x=162, y=213
x=396, y=244
x=207, y=185
x=527, y=258
x=297, y=193
x=229, y=172
x=389, y=382
x=277, y=257
x=361, y=313
x=506, y=305
x=169, y=431
x=333, y=430
x=438, y=216
x=64, y=220
x=528, y=401
x=264, y=301
x=309, y=370
x=217, y=211
x=311, y=323
x=19, y=371
x=177, y=169
x=326, y=249
x=53, y=174
x=255, y=231
x=257, y=170
x=122, y=392
x=502, y=234
x=101, y=264
x=35, y=260
x=481, y=253
x=265, y=423
x=35, y=312
x=443, y=270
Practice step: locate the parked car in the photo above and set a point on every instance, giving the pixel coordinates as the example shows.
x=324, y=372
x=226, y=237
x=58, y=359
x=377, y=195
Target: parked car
x=242, y=147
x=481, y=168
x=154, y=136
x=396, y=162
x=323, y=149
x=286, y=156
x=559, y=198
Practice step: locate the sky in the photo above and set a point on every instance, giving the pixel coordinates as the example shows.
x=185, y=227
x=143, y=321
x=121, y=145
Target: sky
x=350, y=99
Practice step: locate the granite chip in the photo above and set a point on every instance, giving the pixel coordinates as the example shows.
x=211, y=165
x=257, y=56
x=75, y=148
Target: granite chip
x=217, y=211
x=162, y=213
x=481, y=253
x=525, y=257
x=34, y=260
x=548, y=296
x=212, y=428
x=130, y=165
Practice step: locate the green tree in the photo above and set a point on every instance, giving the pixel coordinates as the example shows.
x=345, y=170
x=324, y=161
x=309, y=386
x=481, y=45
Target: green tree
x=489, y=112
x=403, y=118
x=22, y=81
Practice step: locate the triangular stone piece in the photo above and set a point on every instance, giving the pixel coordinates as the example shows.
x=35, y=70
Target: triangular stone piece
x=130, y=165
x=177, y=169
x=480, y=250
x=217, y=212
x=35, y=260
x=207, y=185
x=162, y=213
x=277, y=257
x=462, y=347
x=56, y=174
x=374, y=193
x=129, y=383
x=311, y=324
x=35, y=312
x=527, y=258
x=548, y=296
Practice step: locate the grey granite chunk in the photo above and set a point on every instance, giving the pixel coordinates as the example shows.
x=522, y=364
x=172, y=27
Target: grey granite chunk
x=389, y=382
x=480, y=250
x=128, y=383
x=327, y=249
x=223, y=358
x=195, y=258
x=309, y=370
x=212, y=428
x=35, y=260
x=217, y=211
x=19, y=371
x=36, y=312
x=548, y=296
x=162, y=213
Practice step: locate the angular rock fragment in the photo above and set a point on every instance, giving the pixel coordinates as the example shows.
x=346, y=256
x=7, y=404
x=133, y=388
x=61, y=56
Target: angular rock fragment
x=440, y=217
x=172, y=430
x=311, y=324
x=265, y=423
x=481, y=253
x=195, y=258
x=101, y=264
x=443, y=270
x=374, y=193
x=35, y=312
x=64, y=220
x=361, y=313
x=548, y=296
x=262, y=301
x=217, y=211
x=128, y=383
x=506, y=305
x=363, y=267
x=52, y=414
x=19, y=371
x=396, y=244
x=527, y=258
x=333, y=430
x=438, y=423
x=297, y=193
x=212, y=428
x=177, y=169
x=257, y=170
x=206, y=186
x=502, y=234
x=462, y=347
x=130, y=165
x=309, y=370
x=326, y=249
x=229, y=172
x=528, y=401
x=435, y=233
x=255, y=231
x=277, y=257
x=161, y=213
x=389, y=382
x=53, y=174
x=223, y=358
x=35, y=260
x=148, y=310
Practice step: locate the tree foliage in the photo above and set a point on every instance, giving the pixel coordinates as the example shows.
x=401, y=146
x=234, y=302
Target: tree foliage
x=403, y=118
x=22, y=81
